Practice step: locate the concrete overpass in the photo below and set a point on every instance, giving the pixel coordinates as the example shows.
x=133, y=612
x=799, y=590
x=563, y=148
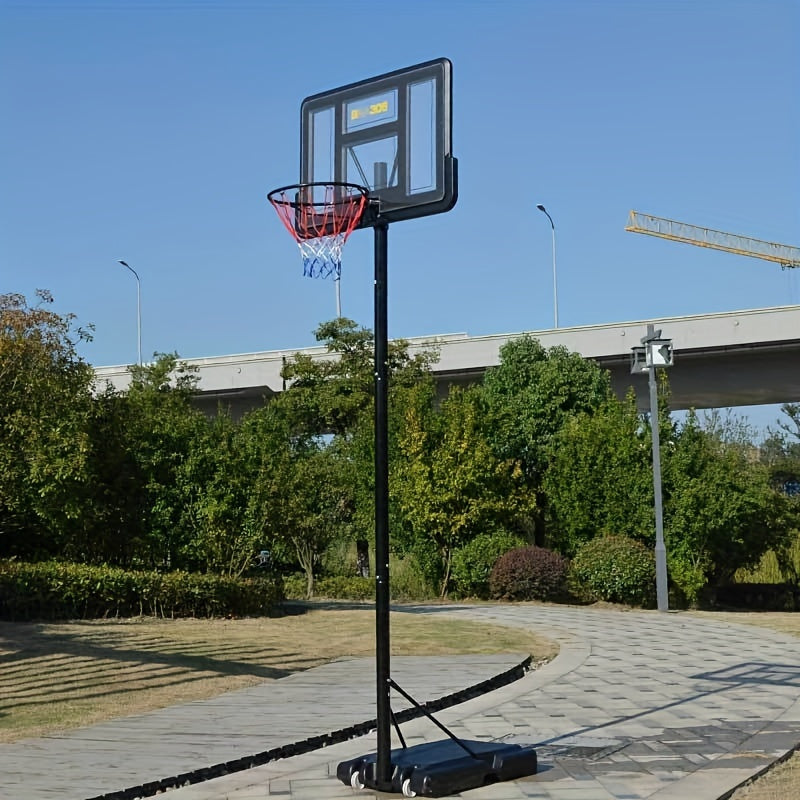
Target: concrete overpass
x=734, y=358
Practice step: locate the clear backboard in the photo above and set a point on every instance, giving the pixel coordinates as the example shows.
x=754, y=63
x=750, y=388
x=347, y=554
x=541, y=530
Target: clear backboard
x=391, y=134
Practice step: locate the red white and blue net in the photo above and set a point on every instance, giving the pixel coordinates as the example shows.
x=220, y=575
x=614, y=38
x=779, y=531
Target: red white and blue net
x=320, y=217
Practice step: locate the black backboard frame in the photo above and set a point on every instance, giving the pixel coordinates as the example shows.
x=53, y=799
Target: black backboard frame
x=394, y=203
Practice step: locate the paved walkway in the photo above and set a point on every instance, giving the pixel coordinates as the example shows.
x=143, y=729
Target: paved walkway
x=637, y=705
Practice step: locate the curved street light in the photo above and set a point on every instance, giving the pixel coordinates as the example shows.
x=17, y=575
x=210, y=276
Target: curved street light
x=555, y=285
x=138, y=306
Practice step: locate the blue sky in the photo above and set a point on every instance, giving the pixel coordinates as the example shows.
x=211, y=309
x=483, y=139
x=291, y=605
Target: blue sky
x=152, y=131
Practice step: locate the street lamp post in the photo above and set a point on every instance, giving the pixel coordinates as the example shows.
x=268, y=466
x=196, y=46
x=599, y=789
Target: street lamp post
x=138, y=308
x=555, y=285
x=655, y=352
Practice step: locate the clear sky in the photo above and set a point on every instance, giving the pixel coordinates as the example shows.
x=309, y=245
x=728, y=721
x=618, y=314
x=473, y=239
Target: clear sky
x=151, y=132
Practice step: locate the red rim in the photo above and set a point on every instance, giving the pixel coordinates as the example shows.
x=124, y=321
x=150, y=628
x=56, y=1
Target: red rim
x=316, y=210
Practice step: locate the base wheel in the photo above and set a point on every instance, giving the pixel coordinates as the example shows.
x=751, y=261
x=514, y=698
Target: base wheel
x=355, y=780
x=407, y=790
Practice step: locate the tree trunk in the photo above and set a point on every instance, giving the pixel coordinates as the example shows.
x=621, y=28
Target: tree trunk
x=309, y=583
x=448, y=560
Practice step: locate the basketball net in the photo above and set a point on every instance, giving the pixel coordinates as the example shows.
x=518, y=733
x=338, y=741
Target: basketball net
x=320, y=217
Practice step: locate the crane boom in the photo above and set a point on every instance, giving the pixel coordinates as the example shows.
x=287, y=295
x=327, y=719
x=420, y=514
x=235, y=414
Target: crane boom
x=784, y=254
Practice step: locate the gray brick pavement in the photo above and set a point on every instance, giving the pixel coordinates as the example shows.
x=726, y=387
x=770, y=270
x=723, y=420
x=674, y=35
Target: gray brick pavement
x=637, y=705
x=127, y=752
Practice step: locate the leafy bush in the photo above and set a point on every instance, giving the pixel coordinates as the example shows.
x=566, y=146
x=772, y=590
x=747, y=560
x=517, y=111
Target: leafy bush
x=617, y=569
x=767, y=570
x=407, y=581
x=346, y=588
x=427, y=563
x=341, y=558
x=776, y=566
x=294, y=587
x=56, y=590
x=473, y=563
x=332, y=587
x=529, y=573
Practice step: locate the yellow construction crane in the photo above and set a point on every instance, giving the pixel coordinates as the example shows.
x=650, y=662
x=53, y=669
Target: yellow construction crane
x=785, y=255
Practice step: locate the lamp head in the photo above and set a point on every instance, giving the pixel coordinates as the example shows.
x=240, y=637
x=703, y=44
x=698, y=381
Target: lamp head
x=540, y=207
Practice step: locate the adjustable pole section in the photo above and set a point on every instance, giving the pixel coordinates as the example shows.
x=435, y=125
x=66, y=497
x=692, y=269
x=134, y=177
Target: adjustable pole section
x=382, y=650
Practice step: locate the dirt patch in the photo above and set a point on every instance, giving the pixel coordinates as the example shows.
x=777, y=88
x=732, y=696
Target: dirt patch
x=781, y=782
x=782, y=621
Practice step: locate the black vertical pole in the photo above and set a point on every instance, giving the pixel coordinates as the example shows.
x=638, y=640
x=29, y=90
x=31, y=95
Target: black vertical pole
x=383, y=776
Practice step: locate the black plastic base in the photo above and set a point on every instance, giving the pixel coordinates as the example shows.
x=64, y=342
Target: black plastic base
x=438, y=769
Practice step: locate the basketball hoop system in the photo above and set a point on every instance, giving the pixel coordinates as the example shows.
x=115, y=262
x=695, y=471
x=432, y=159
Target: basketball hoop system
x=394, y=132
x=320, y=217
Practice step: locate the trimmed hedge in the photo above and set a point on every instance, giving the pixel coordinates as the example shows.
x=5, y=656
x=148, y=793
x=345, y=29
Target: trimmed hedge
x=616, y=569
x=56, y=590
x=529, y=573
x=334, y=587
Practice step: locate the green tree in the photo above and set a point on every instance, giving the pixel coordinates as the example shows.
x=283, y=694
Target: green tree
x=226, y=524
x=332, y=395
x=265, y=440
x=113, y=529
x=780, y=453
x=45, y=408
x=315, y=504
x=159, y=429
x=791, y=425
x=528, y=398
x=301, y=496
x=448, y=483
x=600, y=478
x=728, y=427
x=720, y=512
